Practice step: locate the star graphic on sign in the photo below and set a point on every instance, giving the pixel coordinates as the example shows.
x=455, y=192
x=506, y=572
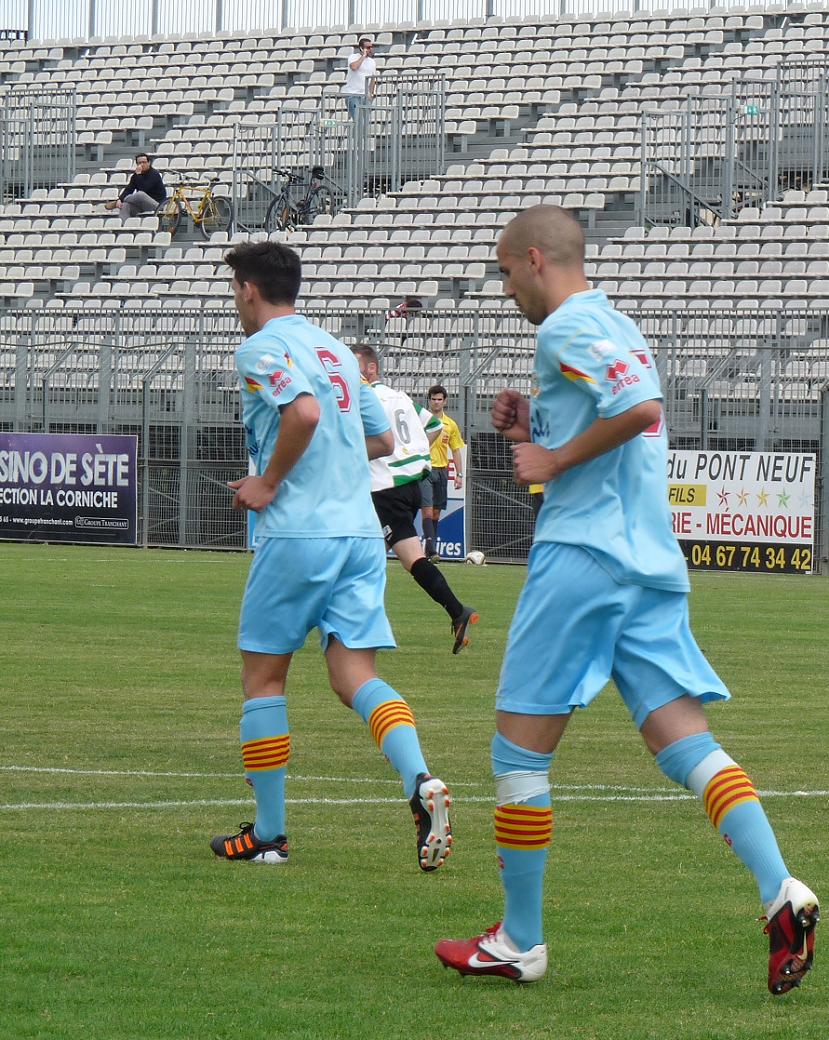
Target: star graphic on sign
x=722, y=495
x=742, y=498
x=762, y=498
x=783, y=499
x=806, y=500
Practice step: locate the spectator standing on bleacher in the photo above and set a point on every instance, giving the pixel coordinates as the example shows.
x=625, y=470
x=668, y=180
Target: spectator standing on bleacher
x=358, y=89
x=144, y=191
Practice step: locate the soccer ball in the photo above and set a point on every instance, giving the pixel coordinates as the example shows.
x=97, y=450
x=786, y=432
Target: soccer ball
x=476, y=557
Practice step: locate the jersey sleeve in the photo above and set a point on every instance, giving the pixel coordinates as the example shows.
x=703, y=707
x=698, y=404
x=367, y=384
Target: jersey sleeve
x=428, y=420
x=272, y=374
x=615, y=375
x=375, y=420
x=455, y=439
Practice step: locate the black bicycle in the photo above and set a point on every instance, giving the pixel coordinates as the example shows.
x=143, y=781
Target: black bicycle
x=287, y=211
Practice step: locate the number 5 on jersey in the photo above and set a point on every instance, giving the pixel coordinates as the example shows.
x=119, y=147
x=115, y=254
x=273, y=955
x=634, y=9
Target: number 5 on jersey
x=331, y=363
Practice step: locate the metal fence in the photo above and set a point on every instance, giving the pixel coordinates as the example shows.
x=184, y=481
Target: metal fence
x=716, y=154
x=37, y=139
x=732, y=381
x=399, y=136
x=85, y=19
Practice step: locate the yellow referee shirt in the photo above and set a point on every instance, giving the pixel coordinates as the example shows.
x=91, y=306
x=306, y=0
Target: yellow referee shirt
x=449, y=440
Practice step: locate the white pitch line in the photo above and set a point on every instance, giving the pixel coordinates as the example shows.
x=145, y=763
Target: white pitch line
x=619, y=792
x=55, y=806
x=306, y=779
x=69, y=806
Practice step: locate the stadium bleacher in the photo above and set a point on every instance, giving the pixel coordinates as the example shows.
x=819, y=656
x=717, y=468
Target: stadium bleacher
x=537, y=110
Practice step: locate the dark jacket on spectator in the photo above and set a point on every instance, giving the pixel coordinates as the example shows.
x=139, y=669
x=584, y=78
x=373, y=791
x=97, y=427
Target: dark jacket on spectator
x=149, y=182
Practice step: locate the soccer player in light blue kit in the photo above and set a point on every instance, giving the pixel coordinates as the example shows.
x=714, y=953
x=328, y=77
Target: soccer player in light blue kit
x=320, y=558
x=605, y=597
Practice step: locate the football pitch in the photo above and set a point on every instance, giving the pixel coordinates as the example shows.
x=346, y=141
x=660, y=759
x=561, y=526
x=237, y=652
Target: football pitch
x=120, y=759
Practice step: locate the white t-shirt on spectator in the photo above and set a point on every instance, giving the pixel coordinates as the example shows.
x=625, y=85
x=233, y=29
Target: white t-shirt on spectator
x=355, y=81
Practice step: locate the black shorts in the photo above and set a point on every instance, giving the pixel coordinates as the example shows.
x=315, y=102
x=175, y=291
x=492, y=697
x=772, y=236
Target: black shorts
x=439, y=481
x=397, y=508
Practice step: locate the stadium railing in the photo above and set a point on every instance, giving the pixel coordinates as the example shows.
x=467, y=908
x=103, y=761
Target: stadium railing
x=87, y=20
x=733, y=380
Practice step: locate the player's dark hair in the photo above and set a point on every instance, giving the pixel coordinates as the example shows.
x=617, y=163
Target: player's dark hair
x=143, y=155
x=436, y=389
x=369, y=353
x=361, y=40
x=273, y=268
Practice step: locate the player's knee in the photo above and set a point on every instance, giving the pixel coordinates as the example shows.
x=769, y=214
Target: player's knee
x=520, y=774
x=678, y=760
x=345, y=684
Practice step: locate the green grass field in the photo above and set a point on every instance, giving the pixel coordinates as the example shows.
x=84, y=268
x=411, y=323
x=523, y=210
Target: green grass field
x=120, y=759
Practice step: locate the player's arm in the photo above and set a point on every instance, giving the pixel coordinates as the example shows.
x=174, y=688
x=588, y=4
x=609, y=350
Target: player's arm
x=297, y=423
x=457, y=459
x=455, y=445
x=379, y=445
x=432, y=426
x=510, y=415
x=433, y=434
x=535, y=464
x=376, y=428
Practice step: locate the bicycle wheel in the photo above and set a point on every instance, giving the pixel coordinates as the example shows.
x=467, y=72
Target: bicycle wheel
x=169, y=215
x=320, y=202
x=280, y=216
x=217, y=216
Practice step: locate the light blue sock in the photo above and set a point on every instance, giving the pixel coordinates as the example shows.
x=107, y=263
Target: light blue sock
x=523, y=831
x=266, y=746
x=678, y=760
x=747, y=831
x=392, y=725
x=700, y=764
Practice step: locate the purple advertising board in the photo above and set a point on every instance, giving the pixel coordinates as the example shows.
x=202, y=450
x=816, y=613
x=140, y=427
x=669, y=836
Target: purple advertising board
x=68, y=487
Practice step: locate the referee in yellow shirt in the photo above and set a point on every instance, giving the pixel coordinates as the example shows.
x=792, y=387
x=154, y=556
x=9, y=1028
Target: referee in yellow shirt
x=434, y=486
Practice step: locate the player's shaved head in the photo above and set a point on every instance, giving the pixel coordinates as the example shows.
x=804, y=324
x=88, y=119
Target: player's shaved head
x=549, y=229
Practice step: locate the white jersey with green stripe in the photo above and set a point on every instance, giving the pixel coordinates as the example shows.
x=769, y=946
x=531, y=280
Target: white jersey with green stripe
x=410, y=424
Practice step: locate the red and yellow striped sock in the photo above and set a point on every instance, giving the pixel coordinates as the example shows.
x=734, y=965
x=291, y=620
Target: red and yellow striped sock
x=266, y=753
x=725, y=791
x=734, y=808
x=523, y=826
x=392, y=725
x=387, y=717
x=266, y=748
x=523, y=833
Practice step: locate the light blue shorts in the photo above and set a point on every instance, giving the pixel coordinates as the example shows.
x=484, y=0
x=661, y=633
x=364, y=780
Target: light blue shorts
x=333, y=584
x=575, y=628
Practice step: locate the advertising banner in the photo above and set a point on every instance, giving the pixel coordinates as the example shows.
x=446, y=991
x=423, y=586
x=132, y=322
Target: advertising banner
x=451, y=539
x=744, y=511
x=68, y=488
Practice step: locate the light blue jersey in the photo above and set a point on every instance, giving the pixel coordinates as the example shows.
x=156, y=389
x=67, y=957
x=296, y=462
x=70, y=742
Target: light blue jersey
x=328, y=492
x=592, y=362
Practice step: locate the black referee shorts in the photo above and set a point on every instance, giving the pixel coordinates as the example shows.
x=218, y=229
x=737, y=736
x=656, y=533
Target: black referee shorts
x=397, y=508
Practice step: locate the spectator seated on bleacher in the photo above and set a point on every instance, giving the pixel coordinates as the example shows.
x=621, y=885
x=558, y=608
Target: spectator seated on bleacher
x=144, y=191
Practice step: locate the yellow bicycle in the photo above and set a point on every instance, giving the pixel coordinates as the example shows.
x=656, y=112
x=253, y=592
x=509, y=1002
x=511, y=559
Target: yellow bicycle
x=211, y=213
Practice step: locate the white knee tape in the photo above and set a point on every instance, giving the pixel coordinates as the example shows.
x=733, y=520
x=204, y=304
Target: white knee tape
x=701, y=775
x=514, y=788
